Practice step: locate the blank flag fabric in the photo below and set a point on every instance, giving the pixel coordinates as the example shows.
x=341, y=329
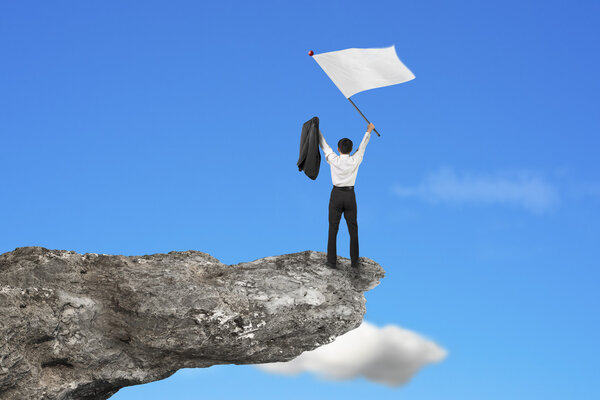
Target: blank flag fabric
x=354, y=70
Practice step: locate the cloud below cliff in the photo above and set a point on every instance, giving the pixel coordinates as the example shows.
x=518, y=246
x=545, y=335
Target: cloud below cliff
x=521, y=188
x=389, y=355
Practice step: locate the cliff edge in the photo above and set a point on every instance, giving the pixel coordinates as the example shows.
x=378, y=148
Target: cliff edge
x=82, y=326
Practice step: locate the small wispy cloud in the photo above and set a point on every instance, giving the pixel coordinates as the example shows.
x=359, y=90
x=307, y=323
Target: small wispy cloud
x=586, y=189
x=520, y=188
x=389, y=355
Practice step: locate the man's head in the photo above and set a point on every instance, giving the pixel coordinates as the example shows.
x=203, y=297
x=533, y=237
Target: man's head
x=345, y=146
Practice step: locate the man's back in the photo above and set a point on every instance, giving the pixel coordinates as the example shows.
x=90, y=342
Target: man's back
x=344, y=167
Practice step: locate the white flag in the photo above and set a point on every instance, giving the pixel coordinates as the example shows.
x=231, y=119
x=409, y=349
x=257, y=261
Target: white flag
x=354, y=70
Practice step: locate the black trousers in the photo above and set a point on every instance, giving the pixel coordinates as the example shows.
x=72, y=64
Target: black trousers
x=341, y=201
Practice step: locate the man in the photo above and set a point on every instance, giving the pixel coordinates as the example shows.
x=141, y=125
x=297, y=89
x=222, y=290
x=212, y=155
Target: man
x=343, y=200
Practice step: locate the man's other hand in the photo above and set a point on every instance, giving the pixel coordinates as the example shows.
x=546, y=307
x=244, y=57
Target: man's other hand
x=370, y=127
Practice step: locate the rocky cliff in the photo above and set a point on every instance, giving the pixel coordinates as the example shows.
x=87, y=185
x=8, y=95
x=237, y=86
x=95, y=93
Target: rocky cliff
x=76, y=326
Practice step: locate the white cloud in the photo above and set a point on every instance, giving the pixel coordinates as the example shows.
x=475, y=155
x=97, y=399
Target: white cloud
x=520, y=188
x=390, y=355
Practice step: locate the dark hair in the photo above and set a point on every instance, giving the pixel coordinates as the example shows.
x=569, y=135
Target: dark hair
x=345, y=145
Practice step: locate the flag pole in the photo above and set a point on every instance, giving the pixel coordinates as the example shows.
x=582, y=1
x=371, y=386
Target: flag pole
x=363, y=115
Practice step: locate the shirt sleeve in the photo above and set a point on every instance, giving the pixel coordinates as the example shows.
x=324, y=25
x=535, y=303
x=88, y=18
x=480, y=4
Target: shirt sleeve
x=361, y=148
x=329, y=154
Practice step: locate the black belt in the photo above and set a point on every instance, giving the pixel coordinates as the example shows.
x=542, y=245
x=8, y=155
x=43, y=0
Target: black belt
x=344, y=187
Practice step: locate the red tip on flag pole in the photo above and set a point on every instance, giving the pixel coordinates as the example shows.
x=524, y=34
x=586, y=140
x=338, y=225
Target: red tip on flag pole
x=310, y=53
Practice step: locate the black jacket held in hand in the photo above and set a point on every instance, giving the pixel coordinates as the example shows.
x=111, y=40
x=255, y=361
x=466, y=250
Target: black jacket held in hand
x=310, y=157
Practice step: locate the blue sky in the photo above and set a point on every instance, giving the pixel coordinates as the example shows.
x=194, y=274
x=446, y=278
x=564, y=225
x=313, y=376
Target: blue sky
x=143, y=127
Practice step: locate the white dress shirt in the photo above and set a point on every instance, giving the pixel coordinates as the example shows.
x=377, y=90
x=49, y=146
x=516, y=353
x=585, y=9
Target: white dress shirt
x=345, y=166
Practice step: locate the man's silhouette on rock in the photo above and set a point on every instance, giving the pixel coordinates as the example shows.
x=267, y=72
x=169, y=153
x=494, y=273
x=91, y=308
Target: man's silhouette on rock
x=343, y=200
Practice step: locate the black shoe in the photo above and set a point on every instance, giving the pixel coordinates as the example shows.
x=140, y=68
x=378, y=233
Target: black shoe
x=330, y=265
x=355, y=264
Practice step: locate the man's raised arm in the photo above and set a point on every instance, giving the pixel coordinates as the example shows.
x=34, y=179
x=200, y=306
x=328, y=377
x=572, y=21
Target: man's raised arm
x=323, y=144
x=363, y=144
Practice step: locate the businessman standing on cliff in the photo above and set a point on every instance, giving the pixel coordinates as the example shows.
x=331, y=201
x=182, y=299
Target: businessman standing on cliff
x=343, y=200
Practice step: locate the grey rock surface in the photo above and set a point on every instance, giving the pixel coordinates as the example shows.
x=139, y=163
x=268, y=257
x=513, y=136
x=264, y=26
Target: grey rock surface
x=76, y=326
